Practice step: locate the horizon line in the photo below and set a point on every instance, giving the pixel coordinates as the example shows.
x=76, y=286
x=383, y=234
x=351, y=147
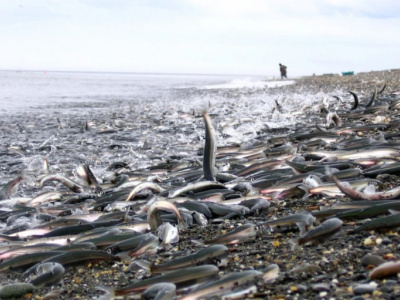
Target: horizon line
x=132, y=72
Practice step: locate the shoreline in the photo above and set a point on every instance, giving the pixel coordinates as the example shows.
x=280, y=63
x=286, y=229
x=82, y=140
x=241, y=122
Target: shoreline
x=149, y=142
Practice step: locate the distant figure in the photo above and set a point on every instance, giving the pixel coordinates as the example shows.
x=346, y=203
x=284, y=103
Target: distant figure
x=283, y=68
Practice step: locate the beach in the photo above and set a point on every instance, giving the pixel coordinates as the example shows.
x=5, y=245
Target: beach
x=162, y=142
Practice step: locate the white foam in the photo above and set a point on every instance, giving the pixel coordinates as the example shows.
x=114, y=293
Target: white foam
x=249, y=83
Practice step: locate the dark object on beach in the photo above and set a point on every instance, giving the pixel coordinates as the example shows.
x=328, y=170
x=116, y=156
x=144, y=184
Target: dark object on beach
x=348, y=73
x=283, y=68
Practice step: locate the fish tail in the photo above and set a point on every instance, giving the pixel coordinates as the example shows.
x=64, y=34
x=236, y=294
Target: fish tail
x=295, y=243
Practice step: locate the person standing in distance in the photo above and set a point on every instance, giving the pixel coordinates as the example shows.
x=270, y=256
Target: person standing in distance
x=283, y=68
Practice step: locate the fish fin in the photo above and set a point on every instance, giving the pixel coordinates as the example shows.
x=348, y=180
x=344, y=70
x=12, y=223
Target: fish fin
x=302, y=228
x=295, y=243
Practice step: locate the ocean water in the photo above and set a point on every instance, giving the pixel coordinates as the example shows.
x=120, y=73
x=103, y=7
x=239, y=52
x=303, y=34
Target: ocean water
x=139, y=119
x=23, y=91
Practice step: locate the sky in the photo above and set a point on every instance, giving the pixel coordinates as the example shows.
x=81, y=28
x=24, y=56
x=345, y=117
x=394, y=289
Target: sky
x=200, y=36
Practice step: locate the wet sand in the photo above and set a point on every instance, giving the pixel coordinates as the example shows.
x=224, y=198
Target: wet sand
x=119, y=131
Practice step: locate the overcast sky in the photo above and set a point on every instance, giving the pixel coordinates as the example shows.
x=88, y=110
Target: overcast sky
x=200, y=36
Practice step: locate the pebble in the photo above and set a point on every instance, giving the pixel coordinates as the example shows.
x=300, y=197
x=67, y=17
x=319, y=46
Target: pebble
x=371, y=260
x=321, y=287
x=365, y=288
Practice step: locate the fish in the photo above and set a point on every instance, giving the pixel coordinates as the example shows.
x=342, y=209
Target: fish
x=144, y=186
x=372, y=100
x=195, y=187
x=87, y=175
x=10, y=188
x=69, y=183
x=160, y=291
x=378, y=223
x=181, y=278
x=16, y=290
x=302, y=220
x=48, y=274
x=148, y=245
x=199, y=257
x=358, y=195
x=320, y=233
x=241, y=234
x=231, y=282
x=168, y=234
x=76, y=257
x=385, y=270
x=355, y=104
x=129, y=243
x=24, y=260
x=210, y=149
x=154, y=218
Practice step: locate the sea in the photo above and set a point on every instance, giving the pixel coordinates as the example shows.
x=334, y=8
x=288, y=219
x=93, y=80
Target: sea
x=72, y=118
x=44, y=91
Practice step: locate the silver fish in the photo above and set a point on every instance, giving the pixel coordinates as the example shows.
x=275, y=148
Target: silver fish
x=210, y=149
x=196, y=258
x=48, y=274
x=160, y=291
x=241, y=234
x=153, y=214
x=325, y=230
x=168, y=234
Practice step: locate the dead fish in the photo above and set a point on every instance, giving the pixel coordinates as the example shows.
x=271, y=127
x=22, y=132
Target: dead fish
x=325, y=230
x=147, y=185
x=232, y=282
x=379, y=223
x=368, y=153
x=27, y=249
x=332, y=119
x=87, y=175
x=160, y=291
x=240, y=234
x=180, y=278
x=355, y=104
x=69, y=183
x=16, y=290
x=385, y=270
x=199, y=218
x=371, y=101
x=48, y=274
x=358, y=195
x=148, y=245
x=77, y=257
x=129, y=243
x=10, y=188
x=202, y=255
x=302, y=220
x=195, y=187
x=210, y=149
x=29, y=259
x=153, y=214
x=45, y=197
x=168, y=234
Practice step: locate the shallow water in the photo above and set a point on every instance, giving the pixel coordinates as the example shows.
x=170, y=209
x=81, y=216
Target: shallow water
x=22, y=91
x=144, y=116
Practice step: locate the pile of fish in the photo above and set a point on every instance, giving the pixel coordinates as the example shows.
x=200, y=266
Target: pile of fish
x=346, y=153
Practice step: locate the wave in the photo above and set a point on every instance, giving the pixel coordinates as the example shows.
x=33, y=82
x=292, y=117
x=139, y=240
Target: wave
x=249, y=83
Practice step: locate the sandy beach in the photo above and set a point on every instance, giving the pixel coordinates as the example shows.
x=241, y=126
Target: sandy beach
x=151, y=144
